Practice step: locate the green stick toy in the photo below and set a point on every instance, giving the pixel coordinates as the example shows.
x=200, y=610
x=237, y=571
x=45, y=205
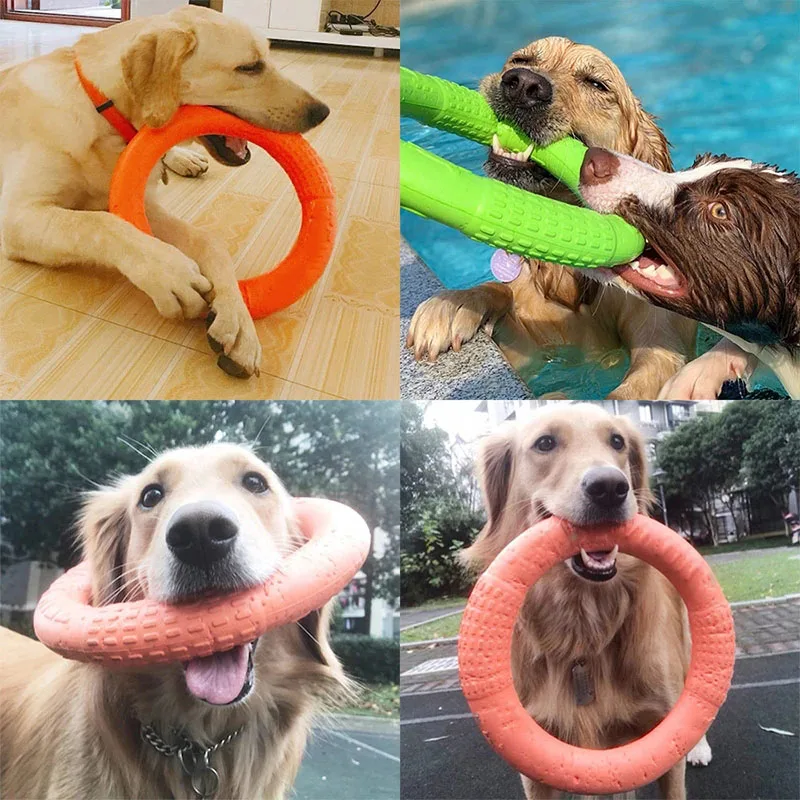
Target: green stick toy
x=490, y=211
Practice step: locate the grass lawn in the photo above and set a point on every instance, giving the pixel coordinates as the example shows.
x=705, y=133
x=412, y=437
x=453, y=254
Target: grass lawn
x=750, y=578
x=778, y=539
x=438, y=629
x=758, y=576
x=439, y=602
x=376, y=700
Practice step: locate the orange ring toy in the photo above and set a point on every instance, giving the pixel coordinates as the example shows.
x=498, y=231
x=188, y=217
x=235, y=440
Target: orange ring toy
x=312, y=249
x=146, y=632
x=484, y=656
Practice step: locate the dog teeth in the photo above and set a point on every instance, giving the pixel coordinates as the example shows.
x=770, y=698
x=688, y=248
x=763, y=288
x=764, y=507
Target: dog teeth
x=650, y=271
x=635, y=265
x=499, y=150
x=604, y=563
x=665, y=273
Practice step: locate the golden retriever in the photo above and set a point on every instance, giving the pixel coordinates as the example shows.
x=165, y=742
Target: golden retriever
x=601, y=647
x=550, y=89
x=196, y=520
x=57, y=155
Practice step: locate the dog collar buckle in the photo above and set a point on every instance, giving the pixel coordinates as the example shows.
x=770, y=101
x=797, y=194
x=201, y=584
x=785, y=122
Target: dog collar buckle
x=582, y=683
x=196, y=763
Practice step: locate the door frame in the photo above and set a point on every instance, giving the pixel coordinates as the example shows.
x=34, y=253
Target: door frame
x=64, y=19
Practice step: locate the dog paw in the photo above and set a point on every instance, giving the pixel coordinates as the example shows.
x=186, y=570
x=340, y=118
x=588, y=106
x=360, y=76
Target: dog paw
x=177, y=288
x=186, y=162
x=700, y=754
x=232, y=335
x=442, y=322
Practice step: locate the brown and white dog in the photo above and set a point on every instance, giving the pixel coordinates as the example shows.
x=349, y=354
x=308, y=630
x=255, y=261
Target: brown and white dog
x=723, y=248
x=607, y=614
x=196, y=520
x=553, y=88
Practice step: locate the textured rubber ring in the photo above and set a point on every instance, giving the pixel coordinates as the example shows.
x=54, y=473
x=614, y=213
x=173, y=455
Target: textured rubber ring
x=484, y=655
x=146, y=632
x=306, y=261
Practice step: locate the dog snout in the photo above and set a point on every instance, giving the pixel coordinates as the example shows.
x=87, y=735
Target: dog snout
x=606, y=487
x=526, y=88
x=599, y=166
x=200, y=534
x=316, y=114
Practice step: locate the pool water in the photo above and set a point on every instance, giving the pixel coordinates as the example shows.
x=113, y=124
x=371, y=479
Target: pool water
x=721, y=76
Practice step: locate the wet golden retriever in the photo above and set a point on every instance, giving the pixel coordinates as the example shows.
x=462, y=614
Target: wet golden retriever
x=57, y=155
x=601, y=648
x=553, y=88
x=195, y=520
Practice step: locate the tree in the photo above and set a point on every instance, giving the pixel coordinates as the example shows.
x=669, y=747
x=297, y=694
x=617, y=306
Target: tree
x=437, y=515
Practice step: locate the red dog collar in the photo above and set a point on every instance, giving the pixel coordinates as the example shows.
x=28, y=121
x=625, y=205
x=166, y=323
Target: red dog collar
x=105, y=107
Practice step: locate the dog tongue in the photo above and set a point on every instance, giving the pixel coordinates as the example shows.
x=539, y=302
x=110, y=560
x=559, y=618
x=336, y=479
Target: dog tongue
x=218, y=678
x=238, y=146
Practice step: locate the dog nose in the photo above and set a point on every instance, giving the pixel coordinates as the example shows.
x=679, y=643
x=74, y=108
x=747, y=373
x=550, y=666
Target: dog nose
x=526, y=88
x=598, y=166
x=200, y=534
x=605, y=486
x=317, y=113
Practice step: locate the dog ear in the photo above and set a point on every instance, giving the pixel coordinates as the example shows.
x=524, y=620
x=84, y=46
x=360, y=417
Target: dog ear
x=104, y=529
x=151, y=68
x=495, y=465
x=637, y=461
x=314, y=632
x=646, y=141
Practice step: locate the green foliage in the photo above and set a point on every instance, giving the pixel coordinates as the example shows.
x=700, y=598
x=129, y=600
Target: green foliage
x=367, y=659
x=437, y=519
x=753, y=445
x=53, y=452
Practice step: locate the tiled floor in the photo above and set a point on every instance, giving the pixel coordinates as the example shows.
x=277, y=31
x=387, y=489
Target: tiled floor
x=84, y=334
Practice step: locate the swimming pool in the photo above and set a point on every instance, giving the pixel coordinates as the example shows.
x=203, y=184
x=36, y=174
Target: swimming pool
x=721, y=76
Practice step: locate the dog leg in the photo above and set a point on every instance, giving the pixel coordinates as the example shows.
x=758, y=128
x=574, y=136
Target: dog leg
x=672, y=784
x=539, y=791
x=232, y=330
x=700, y=754
x=185, y=161
x=451, y=318
x=56, y=237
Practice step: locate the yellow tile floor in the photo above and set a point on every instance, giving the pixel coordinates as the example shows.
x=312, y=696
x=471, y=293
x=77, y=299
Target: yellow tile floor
x=86, y=334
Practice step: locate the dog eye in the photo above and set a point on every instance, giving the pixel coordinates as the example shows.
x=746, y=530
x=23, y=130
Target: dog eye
x=254, y=483
x=596, y=84
x=718, y=210
x=617, y=442
x=253, y=69
x=151, y=495
x=544, y=444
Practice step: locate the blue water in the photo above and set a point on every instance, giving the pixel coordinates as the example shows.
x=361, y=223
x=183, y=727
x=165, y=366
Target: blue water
x=721, y=76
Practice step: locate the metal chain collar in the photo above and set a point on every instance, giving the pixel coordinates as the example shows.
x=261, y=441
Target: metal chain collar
x=195, y=760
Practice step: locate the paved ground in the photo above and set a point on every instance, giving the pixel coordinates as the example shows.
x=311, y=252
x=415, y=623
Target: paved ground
x=416, y=616
x=357, y=758
x=444, y=755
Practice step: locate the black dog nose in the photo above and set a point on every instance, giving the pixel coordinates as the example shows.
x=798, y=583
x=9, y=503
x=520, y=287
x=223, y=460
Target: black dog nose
x=605, y=486
x=199, y=534
x=526, y=88
x=317, y=113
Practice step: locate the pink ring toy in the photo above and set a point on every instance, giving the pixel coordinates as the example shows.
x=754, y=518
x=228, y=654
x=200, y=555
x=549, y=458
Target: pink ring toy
x=484, y=656
x=146, y=632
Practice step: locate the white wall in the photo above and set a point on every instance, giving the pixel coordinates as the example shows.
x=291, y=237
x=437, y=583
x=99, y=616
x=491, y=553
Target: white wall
x=146, y=8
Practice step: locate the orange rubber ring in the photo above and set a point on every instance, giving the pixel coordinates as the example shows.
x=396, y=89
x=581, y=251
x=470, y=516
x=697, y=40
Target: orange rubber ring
x=312, y=249
x=146, y=632
x=484, y=656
